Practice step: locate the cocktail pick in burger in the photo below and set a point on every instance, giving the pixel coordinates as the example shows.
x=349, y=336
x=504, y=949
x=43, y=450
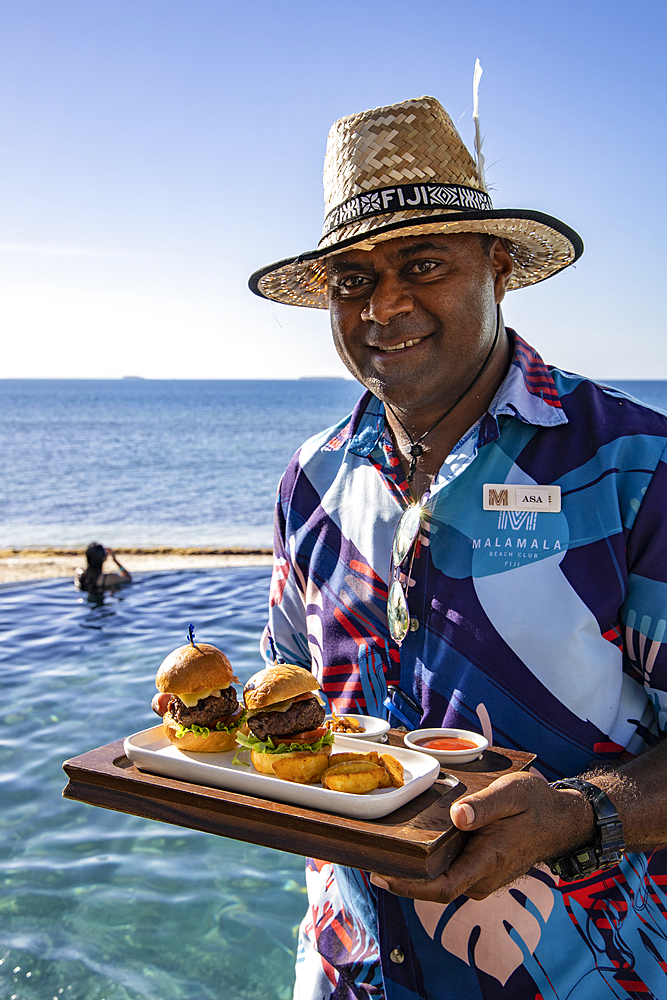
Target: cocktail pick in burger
x=203, y=713
x=287, y=736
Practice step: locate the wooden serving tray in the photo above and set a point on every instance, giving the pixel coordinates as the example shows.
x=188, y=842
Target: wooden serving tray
x=418, y=840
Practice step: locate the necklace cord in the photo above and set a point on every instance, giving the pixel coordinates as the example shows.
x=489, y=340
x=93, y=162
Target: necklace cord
x=416, y=446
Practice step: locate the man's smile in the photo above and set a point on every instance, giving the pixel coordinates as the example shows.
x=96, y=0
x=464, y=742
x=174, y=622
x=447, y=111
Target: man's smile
x=399, y=347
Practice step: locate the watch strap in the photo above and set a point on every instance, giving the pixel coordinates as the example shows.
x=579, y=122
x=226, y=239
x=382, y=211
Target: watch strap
x=609, y=846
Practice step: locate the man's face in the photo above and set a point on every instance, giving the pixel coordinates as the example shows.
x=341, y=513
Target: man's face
x=414, y=318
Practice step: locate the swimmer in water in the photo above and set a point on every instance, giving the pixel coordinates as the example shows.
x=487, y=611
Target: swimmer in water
x=92, y=579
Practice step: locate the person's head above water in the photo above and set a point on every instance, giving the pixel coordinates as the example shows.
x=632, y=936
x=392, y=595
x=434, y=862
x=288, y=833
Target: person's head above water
x=92, y=578
x=95, y=556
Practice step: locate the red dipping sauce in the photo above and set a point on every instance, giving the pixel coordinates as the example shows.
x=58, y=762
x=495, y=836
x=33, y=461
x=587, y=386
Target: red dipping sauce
x=446, y=743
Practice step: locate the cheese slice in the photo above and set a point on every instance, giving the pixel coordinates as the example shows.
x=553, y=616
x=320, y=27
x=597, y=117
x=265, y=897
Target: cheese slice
x=279, y=706
x=190, y=700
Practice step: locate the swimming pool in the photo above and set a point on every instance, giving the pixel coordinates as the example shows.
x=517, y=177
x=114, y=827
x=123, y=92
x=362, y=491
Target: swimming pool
x=96, y=905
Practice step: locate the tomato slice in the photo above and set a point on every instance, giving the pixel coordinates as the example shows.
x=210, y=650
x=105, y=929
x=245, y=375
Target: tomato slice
x=229, y=720
x=310, y=737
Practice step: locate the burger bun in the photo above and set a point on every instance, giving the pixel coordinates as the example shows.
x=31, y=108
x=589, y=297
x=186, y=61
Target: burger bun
x=301, y=766
x=277, y=683
x=194, y=668
x=216, y=742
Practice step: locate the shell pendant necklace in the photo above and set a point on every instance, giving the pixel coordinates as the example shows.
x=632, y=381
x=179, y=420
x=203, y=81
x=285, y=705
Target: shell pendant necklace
x=416, y=449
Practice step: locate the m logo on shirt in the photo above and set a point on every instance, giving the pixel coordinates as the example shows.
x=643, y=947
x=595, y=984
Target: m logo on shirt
x=498, y=498
x=516, y=520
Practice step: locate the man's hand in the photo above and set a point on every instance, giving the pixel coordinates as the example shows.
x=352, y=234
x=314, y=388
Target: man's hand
x=160, y=702
x=515, y=823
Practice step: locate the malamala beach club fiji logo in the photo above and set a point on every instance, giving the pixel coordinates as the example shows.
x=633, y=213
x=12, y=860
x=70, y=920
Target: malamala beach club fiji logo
x=518, y=507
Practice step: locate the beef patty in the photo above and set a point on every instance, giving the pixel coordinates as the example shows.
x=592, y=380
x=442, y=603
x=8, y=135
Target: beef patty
x=207, y=711
x=300, y=718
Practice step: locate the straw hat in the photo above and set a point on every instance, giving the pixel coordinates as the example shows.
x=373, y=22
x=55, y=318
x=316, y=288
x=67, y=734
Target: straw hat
x=403, y=170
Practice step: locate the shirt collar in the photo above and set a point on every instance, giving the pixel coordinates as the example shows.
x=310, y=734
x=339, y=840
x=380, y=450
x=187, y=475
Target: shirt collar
x=527, y=392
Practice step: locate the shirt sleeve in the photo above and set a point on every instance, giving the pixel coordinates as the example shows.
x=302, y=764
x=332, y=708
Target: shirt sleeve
x=287, y=626
x=644, y=612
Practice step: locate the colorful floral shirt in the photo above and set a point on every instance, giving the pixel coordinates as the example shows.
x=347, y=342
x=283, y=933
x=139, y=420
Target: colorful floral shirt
x=544, y=631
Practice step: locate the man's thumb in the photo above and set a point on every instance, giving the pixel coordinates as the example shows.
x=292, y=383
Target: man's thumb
x=462, y=814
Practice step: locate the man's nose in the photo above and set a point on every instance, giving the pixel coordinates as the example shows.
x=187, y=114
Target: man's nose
x=390, y=298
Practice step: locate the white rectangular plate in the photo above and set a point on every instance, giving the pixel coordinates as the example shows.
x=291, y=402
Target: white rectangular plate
x=151, y=751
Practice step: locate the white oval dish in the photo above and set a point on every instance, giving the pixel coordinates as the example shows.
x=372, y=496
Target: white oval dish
x=151, y=751
x=374, y=729
x=447, y=756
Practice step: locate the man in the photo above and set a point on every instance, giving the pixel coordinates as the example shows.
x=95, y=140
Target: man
x=535, y=615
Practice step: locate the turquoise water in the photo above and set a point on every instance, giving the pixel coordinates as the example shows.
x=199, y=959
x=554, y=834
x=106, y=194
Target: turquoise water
x=94, y=904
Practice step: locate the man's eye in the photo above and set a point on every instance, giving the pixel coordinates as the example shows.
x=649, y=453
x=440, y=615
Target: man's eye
x=352, y=282
x=423, y=266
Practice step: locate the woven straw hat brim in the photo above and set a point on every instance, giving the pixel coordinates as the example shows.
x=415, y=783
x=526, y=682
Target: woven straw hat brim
x=540, y=246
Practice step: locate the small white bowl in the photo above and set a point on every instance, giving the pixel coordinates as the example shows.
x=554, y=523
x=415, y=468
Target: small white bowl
x=412, y=740
x=373, y=729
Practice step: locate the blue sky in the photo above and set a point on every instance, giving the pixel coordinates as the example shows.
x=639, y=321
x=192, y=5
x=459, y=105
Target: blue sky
x=155, y=152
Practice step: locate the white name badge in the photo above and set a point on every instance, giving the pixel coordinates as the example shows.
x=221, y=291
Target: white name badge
x=506, y=496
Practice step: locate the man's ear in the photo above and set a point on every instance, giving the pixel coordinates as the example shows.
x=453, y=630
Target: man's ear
x=502, y=266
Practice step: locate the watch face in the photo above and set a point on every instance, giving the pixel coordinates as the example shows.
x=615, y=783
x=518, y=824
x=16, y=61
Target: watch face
x=584, y=863
x=576, y=866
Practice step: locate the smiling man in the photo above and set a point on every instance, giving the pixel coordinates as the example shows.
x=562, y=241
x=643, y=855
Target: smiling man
x=416, y=321
x=481, y=544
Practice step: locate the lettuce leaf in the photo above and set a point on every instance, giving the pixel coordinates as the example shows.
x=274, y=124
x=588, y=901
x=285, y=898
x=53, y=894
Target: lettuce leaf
x=251, y=742
x=205, y=731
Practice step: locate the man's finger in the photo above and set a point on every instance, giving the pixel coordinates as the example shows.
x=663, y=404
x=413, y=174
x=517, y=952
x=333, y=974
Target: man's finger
x=505, y=797
x=435, y=891
x=468, y=870
x=463, y=815
x=160, y=702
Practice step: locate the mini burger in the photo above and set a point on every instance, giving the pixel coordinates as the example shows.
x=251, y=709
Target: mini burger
x=204, y=713
x=286, y=721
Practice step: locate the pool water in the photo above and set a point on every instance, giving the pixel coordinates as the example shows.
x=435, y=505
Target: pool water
x=96, y=905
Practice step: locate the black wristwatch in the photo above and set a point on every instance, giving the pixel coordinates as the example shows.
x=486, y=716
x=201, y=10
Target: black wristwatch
x=609, y=847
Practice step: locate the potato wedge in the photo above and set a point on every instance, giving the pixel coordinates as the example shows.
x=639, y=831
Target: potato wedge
x=341, y=758
x=303, y=767
x=394, y=769
x=351, y=766
x=386, y=779
x=355, y=776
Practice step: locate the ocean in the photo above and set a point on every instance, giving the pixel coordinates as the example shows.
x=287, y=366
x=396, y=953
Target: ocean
x=136, y=462
x=94, y=904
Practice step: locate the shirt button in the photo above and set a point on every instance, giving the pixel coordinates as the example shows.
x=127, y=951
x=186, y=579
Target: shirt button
x=397, y=956
x=414, y=624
